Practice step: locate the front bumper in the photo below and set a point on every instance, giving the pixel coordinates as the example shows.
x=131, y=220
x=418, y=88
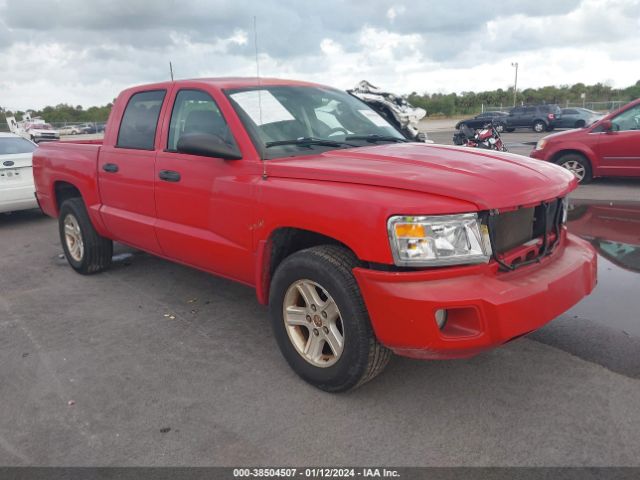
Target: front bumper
x=486, y=308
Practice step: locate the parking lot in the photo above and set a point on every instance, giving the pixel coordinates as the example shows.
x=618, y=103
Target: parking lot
x=152, y=363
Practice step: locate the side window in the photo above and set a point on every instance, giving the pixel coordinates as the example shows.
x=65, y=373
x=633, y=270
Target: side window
x=529, y=110
x=516, y=111
x=627, y=120
x=140, y=120
x=194, y=111
x=568, y=111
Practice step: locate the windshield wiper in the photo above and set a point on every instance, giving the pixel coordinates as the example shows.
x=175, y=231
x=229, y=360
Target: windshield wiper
x=376, y=138
x=309, y=141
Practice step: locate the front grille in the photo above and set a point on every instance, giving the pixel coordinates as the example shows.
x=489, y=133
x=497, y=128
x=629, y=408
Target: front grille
x=512, y=229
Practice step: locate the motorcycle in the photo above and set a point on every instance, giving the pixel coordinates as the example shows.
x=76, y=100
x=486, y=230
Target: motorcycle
x=487, y=137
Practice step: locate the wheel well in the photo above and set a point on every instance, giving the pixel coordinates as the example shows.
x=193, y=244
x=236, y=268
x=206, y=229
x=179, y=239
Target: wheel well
x=65, y=191
x=284, y=242
x=561, y=153
x=541, y=120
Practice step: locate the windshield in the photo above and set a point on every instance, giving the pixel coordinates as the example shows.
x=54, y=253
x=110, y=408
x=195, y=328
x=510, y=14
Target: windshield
x=14, y=145
x=40, y=126
x=287, y=120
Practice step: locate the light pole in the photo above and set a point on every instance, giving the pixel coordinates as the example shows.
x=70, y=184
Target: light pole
x=515, y=84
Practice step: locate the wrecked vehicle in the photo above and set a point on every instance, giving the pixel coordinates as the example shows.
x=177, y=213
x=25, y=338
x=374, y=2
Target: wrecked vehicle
x=394, y=108
x=359, y=242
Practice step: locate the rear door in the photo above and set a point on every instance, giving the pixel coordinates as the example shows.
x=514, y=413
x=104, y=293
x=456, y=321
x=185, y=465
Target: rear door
x=619, y=149
x=569, y=118
x=126, y=173
x=515, y=117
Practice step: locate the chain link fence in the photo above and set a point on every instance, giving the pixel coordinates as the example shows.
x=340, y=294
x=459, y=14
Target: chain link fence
x=69, y=128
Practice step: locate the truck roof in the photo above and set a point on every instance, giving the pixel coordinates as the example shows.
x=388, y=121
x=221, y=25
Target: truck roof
x=227, y=82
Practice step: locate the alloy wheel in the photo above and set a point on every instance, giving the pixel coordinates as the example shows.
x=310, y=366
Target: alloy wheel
x=313, y=322
x=73, y=238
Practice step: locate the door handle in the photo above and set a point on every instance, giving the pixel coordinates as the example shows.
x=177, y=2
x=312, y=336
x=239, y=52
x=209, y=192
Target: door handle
x=110, y=167
x=169, y=176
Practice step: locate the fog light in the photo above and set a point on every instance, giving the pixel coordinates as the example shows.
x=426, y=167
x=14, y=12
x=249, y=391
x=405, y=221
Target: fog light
x=441, y=318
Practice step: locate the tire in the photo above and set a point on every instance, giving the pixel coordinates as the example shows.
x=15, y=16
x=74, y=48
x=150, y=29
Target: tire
x=578, y=165
x=86, y=251
x=510, y=130
x=539, y=126
x=580, y=124
x=327, y=271
x=500, y=128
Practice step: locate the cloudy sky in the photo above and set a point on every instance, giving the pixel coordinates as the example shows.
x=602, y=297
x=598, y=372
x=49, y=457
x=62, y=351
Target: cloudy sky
x=85, y=51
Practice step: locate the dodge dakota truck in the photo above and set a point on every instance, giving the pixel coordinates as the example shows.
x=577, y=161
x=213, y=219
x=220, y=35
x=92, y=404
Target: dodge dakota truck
x=359, y=242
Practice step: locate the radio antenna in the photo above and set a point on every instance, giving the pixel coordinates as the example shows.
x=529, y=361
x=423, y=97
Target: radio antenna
x=255, y=41
x=171, y=70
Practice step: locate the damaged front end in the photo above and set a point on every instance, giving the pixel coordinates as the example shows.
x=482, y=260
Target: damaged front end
x=400, y=113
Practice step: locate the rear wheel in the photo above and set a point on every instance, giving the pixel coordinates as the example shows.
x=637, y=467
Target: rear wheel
x=580, y=124
x=86, y=251
x=500, y=128
x=320, y=320
x=578, y=165
x=539, y=126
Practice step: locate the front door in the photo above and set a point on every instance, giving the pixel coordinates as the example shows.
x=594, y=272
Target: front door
x=204, y=204
x=619, y=149
x=126, y=173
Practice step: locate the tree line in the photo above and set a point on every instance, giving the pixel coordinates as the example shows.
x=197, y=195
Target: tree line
x=472, y=102
x=64, y=113
x=446, y=104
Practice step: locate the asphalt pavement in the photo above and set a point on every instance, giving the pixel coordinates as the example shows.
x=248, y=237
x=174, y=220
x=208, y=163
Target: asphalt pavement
x=152, y=363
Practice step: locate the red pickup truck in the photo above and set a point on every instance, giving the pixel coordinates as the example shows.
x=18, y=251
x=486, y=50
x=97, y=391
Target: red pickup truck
x=359, y=242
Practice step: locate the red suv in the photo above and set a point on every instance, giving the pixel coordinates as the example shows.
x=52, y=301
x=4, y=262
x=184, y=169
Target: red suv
x=609, y=147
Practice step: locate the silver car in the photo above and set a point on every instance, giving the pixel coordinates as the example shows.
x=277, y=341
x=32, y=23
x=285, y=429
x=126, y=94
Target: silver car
x=577, y=117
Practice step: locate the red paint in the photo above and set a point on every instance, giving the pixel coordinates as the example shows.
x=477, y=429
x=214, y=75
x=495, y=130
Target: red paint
x=222, y=214
x=611, y=153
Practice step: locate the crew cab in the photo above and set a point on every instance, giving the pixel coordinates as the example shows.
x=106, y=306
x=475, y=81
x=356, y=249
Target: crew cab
x=359, y=242
x=609, y=147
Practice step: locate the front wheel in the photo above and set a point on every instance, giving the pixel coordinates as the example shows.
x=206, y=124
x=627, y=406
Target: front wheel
x=320, y=320
x=499, y=128
x=578, y=165
x=86, y=251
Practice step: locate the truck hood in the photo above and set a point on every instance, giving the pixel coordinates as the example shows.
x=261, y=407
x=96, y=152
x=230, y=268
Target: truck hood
x=488, y=179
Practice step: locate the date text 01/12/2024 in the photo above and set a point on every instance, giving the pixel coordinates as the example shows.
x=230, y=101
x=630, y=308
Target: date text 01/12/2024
x=315, y=472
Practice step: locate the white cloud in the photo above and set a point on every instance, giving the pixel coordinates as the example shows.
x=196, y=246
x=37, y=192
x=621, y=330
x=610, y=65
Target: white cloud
x=81, y=52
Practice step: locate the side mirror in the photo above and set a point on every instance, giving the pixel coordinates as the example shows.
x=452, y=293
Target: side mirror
x=207, y=145
x=607, y=126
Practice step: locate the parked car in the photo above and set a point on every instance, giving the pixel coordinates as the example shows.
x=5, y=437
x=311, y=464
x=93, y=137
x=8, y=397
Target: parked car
x=483, y=119
x=577, y=118
x=40, y=132
x=88, y=128
x=17, y=191
x=360, y=242
x=608, y=148
x=69, y=130
x=538, y=117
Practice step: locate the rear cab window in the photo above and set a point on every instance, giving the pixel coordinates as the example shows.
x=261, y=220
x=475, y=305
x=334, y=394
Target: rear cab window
x=140, y=120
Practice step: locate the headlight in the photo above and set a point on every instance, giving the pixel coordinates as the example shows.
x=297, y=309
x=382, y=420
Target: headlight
x=541, y=144
x=438, y=240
